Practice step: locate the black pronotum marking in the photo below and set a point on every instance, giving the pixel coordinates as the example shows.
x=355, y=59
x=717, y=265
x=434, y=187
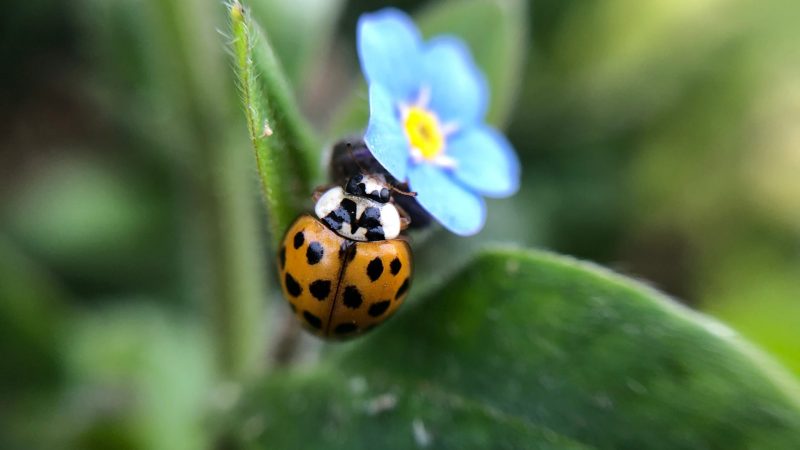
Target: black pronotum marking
x=371, y=220
x=314, y=252
x=282, y=256
x=402, y=290
x=395, y=266
x=346, y=214
x=320, y=289
x=312, y=320
x=375, y=269
x=352, y=298
x=378, y=308
x=292, y=286
x=299, y=239
x=345, y=328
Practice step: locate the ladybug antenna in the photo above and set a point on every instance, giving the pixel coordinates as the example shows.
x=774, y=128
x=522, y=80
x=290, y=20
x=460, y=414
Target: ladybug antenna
x=402, y=192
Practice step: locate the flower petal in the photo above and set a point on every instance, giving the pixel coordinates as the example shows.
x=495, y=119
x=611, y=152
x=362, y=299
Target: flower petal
x=455, y=207
x=486, y=162
x=458, y=89
x=385, y=137
x=389, y=48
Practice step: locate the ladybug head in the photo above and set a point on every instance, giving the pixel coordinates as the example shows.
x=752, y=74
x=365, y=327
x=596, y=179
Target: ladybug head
x=350, y=158
x=370, y=186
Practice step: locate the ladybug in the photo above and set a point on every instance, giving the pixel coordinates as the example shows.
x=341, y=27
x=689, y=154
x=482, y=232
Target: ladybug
x=346, y=270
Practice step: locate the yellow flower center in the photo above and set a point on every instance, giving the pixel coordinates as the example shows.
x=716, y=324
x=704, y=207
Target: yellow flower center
x=424, y=132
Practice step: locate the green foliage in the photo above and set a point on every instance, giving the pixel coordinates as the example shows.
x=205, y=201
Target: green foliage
x=89, y=222
x=155, y=373
x=658, y=137
x=31, y=307
x=531, y=349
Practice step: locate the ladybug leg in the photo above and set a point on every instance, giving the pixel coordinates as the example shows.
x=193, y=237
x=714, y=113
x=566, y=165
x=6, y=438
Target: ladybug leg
x=319, y=191
x=405, y=219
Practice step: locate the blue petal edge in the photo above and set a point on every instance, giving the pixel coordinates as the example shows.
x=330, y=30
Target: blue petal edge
x=486, y=161
x=459, y=90
x=385, y=137
x=455, y=207
x=389, y=49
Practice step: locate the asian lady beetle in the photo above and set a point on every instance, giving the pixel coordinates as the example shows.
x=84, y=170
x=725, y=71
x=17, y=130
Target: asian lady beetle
x=346, y=271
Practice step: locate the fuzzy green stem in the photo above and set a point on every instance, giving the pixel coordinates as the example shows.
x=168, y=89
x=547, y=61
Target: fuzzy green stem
x=282, y=142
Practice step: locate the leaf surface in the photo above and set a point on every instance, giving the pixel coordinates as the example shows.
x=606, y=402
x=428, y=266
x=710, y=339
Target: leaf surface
x=529, y=349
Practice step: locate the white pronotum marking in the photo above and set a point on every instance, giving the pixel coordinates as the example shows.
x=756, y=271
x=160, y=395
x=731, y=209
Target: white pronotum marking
x=332, y=198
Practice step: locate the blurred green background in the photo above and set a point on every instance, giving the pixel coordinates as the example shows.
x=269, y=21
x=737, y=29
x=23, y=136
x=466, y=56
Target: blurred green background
x=657, y=138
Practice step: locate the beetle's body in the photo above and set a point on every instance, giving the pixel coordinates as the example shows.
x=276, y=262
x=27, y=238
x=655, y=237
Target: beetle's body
x=345, y=272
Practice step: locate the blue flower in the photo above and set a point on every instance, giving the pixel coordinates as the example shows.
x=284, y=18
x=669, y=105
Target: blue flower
x=427, y=105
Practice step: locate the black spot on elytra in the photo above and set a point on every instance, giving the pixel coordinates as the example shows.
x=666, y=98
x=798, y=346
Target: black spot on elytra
x=312, y=320
x=378, y=308
x=314, y=252
x=320, y=289
x=353, y=252
x=402, y=290
x=375, y=269
x=292, y=286
x=345, y=328
x=347, y=248
x=352, y=298
x=395, y=266
x=282, y=256
x=294, y=308
x=299, y=239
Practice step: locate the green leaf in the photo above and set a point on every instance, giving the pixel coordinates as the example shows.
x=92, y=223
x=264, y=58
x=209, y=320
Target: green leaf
x=88, y=220
x=496, y=34
x=159, y=370
x=529, y=349
x=282, y=140
x=31, y=317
